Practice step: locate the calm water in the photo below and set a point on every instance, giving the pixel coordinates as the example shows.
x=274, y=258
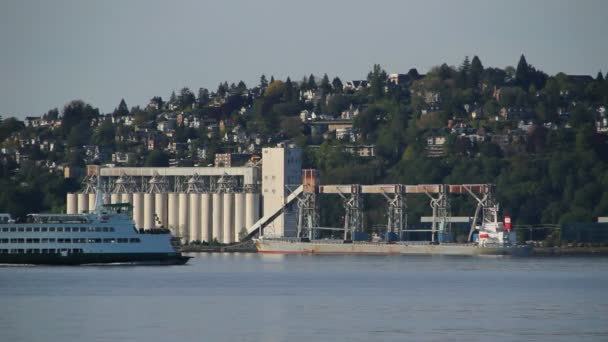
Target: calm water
x=250, y=297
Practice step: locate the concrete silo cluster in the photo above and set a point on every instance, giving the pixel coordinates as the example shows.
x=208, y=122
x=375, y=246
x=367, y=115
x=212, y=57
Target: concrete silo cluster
x=195, y=207
x=198, y=203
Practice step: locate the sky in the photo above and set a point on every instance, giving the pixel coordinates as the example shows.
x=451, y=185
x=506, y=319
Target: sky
x=52, y=52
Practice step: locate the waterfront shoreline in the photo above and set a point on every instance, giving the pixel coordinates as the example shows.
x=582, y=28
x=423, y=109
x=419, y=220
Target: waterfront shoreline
x=538, y=251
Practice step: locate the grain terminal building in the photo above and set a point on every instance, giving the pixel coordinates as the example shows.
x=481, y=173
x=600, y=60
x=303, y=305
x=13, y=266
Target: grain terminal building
x=199, y=203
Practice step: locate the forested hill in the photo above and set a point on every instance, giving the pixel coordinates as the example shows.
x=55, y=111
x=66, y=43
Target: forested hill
x=542, y=139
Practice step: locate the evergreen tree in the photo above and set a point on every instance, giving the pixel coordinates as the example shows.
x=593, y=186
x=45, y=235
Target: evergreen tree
x=599, y=77
x=122, y=109
x=173, y=98
x=186, y=98
x=289, y=91
x=522, y=73
x=336, y=83
x=312, y=84
x=475, y=72
x=463, y=72
x=222, y=90
x=271, y=79
x=263, y=82
x=203, y=97
x=325, y=86
x=377, y=81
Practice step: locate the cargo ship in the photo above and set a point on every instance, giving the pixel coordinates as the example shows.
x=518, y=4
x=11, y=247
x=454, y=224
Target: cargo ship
x=106, y=236
x=492, y=239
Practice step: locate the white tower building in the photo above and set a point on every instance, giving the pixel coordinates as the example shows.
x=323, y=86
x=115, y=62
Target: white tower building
x=281, y=169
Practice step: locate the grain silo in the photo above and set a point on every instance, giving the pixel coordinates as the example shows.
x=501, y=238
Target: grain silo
x=194, y=220
x=115, y=198
x=173, y=213
x=160, y=209
x=148, y=211
x=239, y=214
x=206, y=227
x=228, y=218
x=138, y=209
x=92, y=202
x=217, y=216
x=183, y=216
x=83, y=203
x=72, y=203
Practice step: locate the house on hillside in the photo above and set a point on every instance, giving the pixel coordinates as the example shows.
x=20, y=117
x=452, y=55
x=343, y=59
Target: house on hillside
x=356, y=85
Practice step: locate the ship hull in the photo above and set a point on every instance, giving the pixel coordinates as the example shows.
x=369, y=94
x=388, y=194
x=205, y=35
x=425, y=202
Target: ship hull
x=95, y=258
x=320, y=247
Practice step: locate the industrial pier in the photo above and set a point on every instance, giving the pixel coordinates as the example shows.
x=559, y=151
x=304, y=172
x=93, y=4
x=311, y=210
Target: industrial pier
x=271, y=197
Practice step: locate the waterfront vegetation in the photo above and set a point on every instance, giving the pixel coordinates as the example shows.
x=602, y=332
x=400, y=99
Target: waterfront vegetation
x=541, y=139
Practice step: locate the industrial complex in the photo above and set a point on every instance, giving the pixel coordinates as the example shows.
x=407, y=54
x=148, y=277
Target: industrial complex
x=199, y=203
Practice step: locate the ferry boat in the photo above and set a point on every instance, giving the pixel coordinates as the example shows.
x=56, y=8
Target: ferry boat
x=106, y=236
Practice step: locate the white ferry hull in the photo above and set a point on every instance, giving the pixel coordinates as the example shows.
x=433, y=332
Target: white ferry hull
x=320, y=247
x=95, y=259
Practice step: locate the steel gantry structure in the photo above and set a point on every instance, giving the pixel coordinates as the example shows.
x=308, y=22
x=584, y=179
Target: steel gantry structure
x=395, y=195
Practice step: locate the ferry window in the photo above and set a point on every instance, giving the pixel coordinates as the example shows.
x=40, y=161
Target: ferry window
x=98, y=229
x=28, y=229
x=36, y=240
x=60, y=229
x=28, y=241
x=44, y=229
x=105, y=229
x=51, y=240
x=67, y=240
x=4, y=230
x=51, y=229
x=20, y=229
x=3, y=251
x=13, y=229
x=37, y=229
x=45, y=250
x=4, y=240
x=109, y=240
x=59, y=240
x=91, y=229
x=68, y=229
x=52, y=250
x=134, y=240
x=83, y=229
x=122, y=240
x=44, y=240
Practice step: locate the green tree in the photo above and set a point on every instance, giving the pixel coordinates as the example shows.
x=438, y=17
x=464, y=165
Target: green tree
x=203, y=97
x=377, y=81
x=522, y=73
x=263, y=82
x=311, y=84
x=122, y=109
x=186, y=98
x=325, y=85
x=336, y=84
x=104, y=134
x=475, y=73
x=157, y=158
x=77, y=112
